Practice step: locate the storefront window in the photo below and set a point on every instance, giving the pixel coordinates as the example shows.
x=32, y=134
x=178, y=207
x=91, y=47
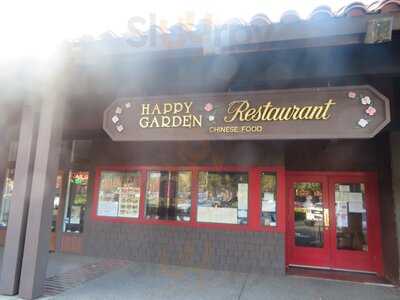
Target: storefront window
x=169, y=195
x=56, y=203
x=76, y=201
x=6, y=199
x=119, y=194
x=223, y=197
x=268, y=199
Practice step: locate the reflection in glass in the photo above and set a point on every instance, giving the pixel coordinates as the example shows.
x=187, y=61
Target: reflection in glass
x=169, y=195
x=119, y=194
x=76, y=201
x=351, y=217
x=7, y=193
x=268, y=199
x=56, y=203
x=308, y=215
x=223, y=197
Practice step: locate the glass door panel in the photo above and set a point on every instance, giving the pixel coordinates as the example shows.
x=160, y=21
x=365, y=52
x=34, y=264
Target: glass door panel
x=308, y=227
x=351, y=217
x=308, y=215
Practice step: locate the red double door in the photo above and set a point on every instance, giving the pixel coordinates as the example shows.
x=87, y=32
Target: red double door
x=333, y=221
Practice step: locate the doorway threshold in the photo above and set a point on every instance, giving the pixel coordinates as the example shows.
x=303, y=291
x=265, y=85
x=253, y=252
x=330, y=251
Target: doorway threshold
x=338, y=275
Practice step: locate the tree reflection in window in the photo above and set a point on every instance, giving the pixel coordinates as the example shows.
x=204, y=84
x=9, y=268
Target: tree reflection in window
x=223, y=197
x=169, y=195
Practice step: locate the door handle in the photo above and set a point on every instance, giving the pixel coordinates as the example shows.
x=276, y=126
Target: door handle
x=326, y=217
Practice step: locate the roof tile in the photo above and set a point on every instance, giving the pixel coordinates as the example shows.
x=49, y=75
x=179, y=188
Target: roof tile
x=290, y=16
x=389, y=6
x=323, y=12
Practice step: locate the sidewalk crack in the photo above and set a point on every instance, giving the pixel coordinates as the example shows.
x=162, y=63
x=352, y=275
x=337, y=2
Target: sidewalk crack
x=243, y=286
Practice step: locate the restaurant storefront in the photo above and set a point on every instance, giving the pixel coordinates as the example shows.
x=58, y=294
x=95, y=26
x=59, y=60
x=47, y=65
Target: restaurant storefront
x=245, y=160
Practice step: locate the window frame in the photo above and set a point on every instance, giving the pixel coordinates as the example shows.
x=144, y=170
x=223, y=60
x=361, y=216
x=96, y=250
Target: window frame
x=226, y=170
x=166, y=169
x=254, y=204
x=67, y=198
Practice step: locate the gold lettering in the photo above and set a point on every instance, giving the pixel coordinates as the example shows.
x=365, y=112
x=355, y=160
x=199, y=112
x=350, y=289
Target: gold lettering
x=165, y=121
x=241, y=110
x=156, y=110
x=145, y=109
x=295, y=112
x=257, y=116
x=304, y=112
x=288, y=114
x=236, y=110
x=316, y=113
x=186, y=121
x=275, y=112
x=265, y=110
x=197, y=120
x=144, y=122
x=249, y=114
x=167, y=108
x=176, y=121
x=187, y=105
x=154, y=123
x=328, y=105
x=178, y=107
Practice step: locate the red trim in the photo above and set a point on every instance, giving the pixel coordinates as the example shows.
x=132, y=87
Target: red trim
x=253, y=223
x=329, y=256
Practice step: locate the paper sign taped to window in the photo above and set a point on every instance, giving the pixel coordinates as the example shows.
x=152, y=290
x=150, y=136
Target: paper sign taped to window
x=342, y=220
x=217, y=215
x=268, y=206
x=75, y=217
x=341, y=208
x=356, y=203
x=269, y=196
x=242, y=213
x=344, y=188
x=107, y=208
x=242, y=195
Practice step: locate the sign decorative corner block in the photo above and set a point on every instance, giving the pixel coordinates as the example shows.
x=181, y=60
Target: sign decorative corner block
x=310, y=113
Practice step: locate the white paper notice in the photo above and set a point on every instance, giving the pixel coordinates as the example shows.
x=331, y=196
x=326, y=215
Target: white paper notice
x=342, y=220
x=217, y=215
x=75, y=214
x=341, y=214
x=107, y=208
x=131, y=213
x=269, y=197
x=242, y=195
x=339, y=197
x=268, y=206
x=242, y=213
x=356, y=203
x=344, y=188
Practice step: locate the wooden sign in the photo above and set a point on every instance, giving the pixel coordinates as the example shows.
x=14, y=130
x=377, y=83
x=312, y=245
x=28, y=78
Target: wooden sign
x=315, y=113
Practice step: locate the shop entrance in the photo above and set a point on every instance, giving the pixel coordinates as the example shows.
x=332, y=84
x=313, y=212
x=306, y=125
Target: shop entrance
x=333, y=221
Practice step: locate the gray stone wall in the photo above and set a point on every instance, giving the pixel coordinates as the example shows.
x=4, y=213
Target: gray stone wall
x=259, y=252
x=187, y=246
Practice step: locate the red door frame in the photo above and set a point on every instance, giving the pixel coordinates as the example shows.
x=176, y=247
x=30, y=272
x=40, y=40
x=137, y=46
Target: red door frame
x=306, y=256
x=371, y=261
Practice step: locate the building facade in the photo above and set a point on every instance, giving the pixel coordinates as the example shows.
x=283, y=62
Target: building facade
x=253, y=155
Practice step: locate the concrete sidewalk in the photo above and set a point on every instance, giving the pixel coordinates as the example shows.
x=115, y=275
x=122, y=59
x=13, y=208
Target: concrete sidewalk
x=143, y=281
x=149, y=281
